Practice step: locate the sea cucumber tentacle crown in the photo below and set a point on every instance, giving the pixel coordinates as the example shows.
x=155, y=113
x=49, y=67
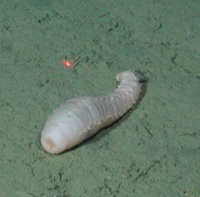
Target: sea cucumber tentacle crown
x=79, y=118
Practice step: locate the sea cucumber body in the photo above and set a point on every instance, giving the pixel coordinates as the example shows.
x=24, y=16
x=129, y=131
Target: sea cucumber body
x=79, y=118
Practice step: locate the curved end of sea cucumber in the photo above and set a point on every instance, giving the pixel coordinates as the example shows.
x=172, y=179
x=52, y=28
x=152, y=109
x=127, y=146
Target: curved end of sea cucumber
x=125, y=75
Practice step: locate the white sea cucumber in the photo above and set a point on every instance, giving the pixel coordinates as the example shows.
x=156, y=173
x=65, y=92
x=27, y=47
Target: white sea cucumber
x=79, y=118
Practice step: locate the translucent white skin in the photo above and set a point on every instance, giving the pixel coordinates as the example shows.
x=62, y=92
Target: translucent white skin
x=79, y=118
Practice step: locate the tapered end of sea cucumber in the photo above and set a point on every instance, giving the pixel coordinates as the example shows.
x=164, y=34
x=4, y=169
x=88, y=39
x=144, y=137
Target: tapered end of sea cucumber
x=126, y=75
x=128, y=84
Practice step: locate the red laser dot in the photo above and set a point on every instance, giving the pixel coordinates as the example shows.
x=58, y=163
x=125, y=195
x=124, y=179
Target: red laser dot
x=68, y=63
